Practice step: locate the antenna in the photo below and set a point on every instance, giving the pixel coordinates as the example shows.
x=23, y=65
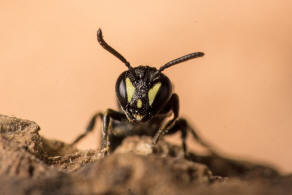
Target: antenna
x=181, y=59
x=111, y=50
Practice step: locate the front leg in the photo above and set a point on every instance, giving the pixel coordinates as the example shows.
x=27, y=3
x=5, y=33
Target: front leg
x=183, y=126
x=88, y=129
x=107, y=117
x=172, y=105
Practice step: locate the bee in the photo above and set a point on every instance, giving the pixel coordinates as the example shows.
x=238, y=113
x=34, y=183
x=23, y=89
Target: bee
x=146, y=101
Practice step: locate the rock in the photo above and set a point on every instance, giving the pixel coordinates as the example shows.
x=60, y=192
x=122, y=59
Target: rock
x=31, y=164
x=20, y=148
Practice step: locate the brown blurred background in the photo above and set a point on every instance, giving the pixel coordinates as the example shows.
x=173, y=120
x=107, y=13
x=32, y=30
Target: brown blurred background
x=238, y=95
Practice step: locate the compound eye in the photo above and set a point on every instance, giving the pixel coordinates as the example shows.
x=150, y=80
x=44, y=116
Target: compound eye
x=121, y=91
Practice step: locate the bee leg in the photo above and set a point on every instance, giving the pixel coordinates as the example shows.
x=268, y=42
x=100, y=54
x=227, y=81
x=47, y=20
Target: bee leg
x=182, y=125
x=199, y=139
x=173, y=104
x=89, y=128
x=107, y=136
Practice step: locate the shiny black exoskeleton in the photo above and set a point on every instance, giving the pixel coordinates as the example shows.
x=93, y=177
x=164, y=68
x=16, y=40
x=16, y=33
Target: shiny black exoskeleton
x=146, y=100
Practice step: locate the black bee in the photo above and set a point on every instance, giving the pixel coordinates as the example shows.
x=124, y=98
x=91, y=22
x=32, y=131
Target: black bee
x=146, y=100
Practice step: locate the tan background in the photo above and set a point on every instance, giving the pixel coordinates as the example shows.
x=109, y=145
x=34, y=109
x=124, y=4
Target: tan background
x=238, y=95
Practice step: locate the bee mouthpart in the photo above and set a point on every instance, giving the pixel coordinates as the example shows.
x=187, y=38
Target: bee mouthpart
x=138, y=117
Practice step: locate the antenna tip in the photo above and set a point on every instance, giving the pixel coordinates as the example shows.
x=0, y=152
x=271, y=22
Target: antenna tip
x=200, y=54
x=99, y=34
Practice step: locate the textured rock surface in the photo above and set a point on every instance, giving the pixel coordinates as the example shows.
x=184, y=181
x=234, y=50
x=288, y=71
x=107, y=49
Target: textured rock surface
x=30, y=164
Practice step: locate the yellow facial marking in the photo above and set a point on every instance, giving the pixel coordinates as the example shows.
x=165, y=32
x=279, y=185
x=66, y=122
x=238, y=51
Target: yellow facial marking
x=130, y=89
x=152, y=92
x=139, y=103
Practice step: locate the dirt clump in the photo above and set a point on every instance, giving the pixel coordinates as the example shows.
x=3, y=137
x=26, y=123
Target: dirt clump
x=32, y=164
